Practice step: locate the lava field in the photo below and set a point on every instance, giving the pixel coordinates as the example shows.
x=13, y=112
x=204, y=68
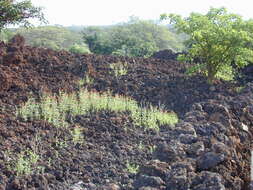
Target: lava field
x=208, y=149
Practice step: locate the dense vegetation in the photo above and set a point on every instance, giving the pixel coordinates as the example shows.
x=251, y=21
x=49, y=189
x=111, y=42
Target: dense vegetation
x=54, y=37
x=135, y=38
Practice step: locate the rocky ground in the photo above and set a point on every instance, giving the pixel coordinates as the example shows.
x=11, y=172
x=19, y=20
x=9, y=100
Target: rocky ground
x=208, y=149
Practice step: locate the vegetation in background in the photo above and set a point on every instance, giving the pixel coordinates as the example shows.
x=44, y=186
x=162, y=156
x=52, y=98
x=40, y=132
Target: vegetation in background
x=79, y=48
x=18, y=12
x=56, y=109
x=6, y=35
x=137, y=38
x=217, y=40
x=54, y=37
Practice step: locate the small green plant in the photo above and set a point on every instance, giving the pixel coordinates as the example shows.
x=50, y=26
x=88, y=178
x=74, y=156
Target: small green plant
x=87, y=80
x=2, y=108
x=141, y=146
x=77, y=135
x=26, y=163
x=239, y=89
x=60, y=143
x=152, y=148
x=153, y=117
x=132, y=168
x=119, y=69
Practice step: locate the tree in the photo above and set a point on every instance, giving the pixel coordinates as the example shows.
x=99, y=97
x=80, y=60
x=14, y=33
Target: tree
x=12, y=12
x=136, y=38
x=98, y=40
x=217, y=39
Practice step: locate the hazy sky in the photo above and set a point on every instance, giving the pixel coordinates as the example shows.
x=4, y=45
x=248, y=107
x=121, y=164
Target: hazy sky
x=106, y=12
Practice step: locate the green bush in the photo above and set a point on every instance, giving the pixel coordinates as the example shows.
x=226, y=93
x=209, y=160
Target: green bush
x=77, y=48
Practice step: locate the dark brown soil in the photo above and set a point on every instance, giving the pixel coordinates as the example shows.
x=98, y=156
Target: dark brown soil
x=111, y=140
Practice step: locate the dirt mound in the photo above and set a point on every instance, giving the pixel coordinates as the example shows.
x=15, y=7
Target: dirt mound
x=208, y=149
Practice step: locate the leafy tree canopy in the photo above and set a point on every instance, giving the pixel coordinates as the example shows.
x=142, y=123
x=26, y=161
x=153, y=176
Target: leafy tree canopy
x=217, y=39
x=134, y=38
x=13, y=12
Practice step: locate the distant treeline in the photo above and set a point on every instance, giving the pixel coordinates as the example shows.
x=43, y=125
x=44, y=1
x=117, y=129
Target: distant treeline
x=134, y=38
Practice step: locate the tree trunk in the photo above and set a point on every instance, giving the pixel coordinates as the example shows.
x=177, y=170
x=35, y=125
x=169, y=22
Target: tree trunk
x=211, y=72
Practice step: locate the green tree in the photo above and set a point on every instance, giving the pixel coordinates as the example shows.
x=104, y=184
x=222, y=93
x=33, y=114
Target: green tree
x=217, y=39
x=12, y=12
x=137, y=38
x=98, y=40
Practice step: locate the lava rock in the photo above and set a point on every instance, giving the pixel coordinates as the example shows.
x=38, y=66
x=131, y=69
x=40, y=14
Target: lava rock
x=150, y=181
x=208, y=181
x=155, y=168
x=171, y=152
x=209, y=160
x=196, y=149
x=187, y=139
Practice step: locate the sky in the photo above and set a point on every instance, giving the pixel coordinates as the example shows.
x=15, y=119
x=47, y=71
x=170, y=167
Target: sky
x=107, y=12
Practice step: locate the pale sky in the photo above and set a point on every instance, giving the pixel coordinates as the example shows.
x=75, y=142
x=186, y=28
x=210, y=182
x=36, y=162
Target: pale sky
x=107, y=12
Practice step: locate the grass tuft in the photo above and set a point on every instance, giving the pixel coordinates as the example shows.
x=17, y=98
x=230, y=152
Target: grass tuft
x=132, y=168
x=26, y=163
x=119, y=69
x=56, y=109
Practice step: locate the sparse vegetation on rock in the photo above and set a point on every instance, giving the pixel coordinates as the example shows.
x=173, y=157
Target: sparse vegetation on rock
x=84, y=121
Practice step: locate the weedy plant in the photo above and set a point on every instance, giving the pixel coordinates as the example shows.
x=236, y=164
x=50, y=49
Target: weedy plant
x=239, y=89
x=26, y=163
x=119, y=69
x=56, y=109
x=77, y=135
x=132, y=168
x=2, y=108
x=87, y=80
x=152, y=148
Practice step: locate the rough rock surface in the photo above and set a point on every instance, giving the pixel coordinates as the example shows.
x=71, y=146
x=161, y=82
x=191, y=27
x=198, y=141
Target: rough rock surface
x=208, y=149
x=222, y=144
x=167, y=54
